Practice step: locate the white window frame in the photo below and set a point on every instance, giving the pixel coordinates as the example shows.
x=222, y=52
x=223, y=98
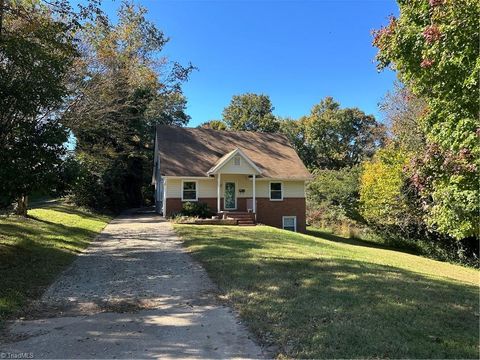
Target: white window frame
x=196, y=190
x=294, y=222
x=270, y=190
x=236, y=197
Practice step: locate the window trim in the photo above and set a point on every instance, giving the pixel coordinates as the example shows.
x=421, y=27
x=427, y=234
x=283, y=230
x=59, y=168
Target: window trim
x=294, y=222
x=270, y=190
x=196, y=189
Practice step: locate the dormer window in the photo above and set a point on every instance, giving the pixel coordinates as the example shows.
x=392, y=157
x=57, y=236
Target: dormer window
x=236, y=160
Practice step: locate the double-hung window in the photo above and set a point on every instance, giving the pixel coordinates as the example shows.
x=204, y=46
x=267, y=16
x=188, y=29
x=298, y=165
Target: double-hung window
x=189, y=191
x=276, y=191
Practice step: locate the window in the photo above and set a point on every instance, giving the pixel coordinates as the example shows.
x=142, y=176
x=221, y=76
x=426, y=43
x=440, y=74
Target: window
x=276, y=191
x=189, y=191
x=290, y=223
x=236, y=161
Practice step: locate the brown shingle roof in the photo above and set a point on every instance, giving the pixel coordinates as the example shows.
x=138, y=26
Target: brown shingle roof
x=193, y=151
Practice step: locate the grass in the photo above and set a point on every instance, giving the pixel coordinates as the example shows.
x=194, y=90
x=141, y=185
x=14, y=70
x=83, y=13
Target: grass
x=312, y=297
x=34, y=250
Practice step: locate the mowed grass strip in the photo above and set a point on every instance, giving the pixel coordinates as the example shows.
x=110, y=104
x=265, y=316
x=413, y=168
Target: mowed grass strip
x=309, y=297
x=34, y=250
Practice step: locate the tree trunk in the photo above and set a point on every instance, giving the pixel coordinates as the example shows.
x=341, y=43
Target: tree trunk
x=1, y=17
x=22, y=206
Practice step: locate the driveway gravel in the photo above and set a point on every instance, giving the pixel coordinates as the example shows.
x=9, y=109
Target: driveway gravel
x=134, y=293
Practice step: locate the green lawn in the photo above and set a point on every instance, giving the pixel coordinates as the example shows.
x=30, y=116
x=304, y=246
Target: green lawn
x=34, y=250
x=316, y=298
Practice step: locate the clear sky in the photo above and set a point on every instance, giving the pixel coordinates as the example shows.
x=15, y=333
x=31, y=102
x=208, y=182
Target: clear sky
x=297, y=52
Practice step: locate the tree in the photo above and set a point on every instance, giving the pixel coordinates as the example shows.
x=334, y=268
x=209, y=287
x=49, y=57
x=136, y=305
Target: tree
x=403, y=112
x=124, y=89
x=214, y=124
x=382, y=189
x=434, y=48
x=295, y=131
x=341, y=137
x=31, y=161
x=37, y=50
x=332, y=197
x=250, y=112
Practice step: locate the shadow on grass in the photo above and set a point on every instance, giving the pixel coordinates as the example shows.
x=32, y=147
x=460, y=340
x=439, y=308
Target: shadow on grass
x=333, y=307
x=32, y=252
x=61, y=207
x=409, y=249
x=50, y=235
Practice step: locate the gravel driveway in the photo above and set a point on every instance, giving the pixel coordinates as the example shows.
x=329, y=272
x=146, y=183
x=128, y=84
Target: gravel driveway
x=135, y=293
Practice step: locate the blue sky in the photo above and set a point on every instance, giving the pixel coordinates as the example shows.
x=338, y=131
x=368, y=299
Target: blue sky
x=297, y=52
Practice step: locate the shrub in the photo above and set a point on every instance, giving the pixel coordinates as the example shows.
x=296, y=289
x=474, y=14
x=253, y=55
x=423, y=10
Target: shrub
x=382, y=194
x=196, y=209
x=181, y=219
x=394, y=211
x=332, y=198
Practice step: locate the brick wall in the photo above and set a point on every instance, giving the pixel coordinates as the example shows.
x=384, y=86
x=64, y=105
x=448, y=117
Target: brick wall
x=268, y=212
x=174, y=205
x=271, y=212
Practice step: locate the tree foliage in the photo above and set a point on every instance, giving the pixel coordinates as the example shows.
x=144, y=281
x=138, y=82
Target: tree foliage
x=250, y=112
x=214, y=124
x=124, y=88
x=382, y=188
x=333, y=138
x=403, y=112
x=434, y=48
x=295, y=131
x=332, y=197
x=37, y=50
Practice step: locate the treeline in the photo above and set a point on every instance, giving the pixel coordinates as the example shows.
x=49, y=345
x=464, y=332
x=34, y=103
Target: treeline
x=431, y=166
x=70, y=79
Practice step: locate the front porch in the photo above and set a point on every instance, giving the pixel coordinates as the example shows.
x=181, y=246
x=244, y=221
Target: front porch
x=228, y=170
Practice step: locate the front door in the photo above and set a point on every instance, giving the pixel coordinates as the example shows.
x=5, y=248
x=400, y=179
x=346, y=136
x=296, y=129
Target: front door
x=230, y=197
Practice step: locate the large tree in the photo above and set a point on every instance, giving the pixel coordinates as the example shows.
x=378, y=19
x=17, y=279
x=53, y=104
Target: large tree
x=389, y=202
x=124, y=88
x=295, y=131
x=250, y=112
x=341, y=137
x=433, y=46
x=37, y=50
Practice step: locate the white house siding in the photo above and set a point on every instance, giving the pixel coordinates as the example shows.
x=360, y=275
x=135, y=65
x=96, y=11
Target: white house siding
x=243, y=168
x=207, y=188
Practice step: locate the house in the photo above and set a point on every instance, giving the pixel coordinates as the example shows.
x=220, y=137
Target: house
x=237, y=173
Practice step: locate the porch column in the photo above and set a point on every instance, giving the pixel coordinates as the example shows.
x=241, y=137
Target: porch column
x=164, y=200
x=254, y=206
x=218, y=193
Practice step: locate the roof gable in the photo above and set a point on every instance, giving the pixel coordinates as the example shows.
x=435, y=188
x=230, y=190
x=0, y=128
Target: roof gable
x=226, y=163
x=195, y=151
